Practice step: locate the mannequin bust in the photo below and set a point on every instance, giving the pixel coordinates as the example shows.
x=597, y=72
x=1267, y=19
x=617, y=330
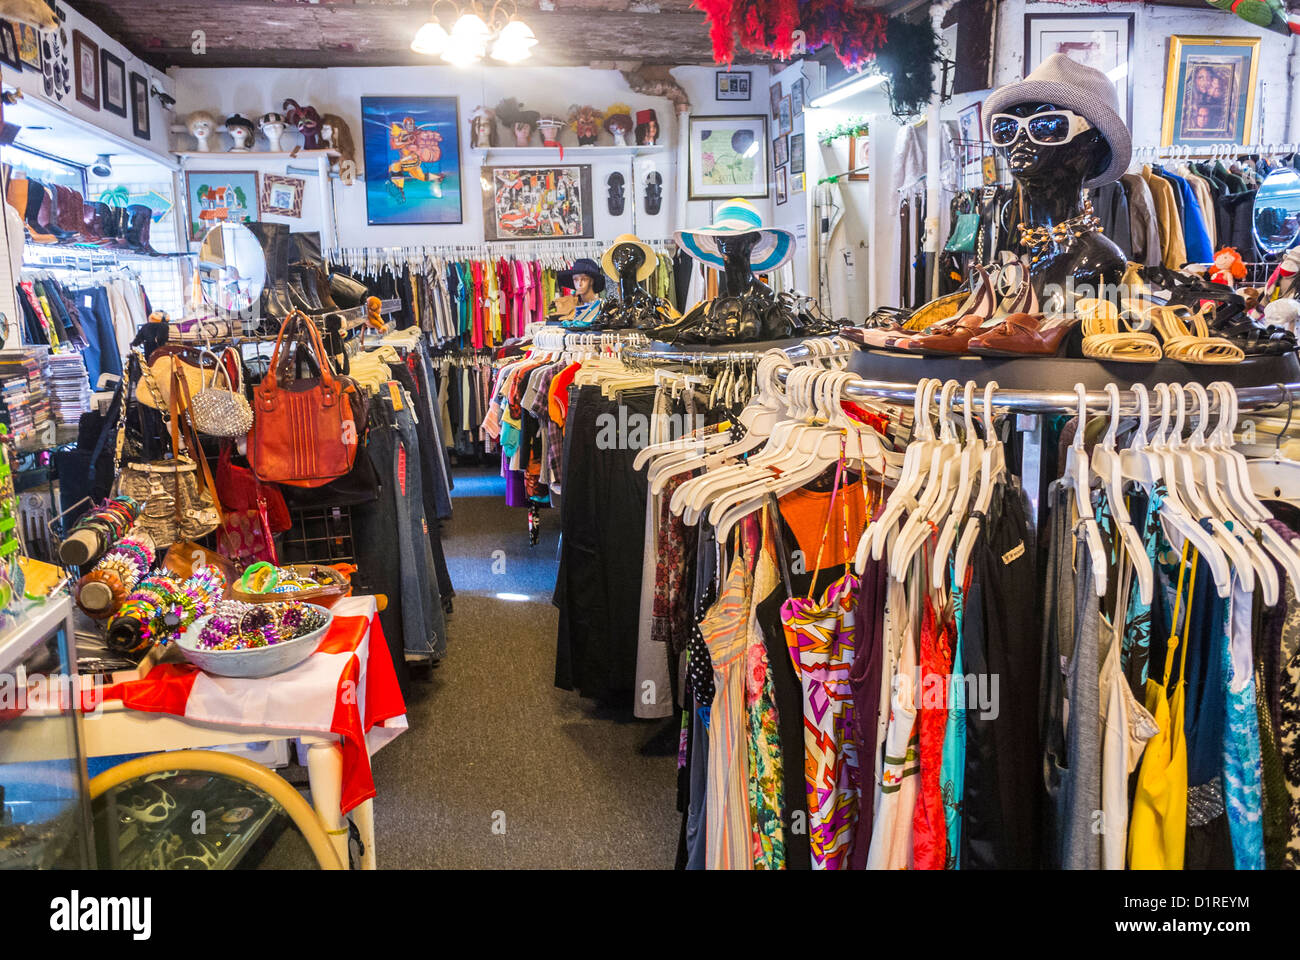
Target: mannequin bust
x=582, y=285
x=1052, y=179
x=201, y=126
x=736, y=277
x=240, y=129
x=272, y=125
x=627, y=259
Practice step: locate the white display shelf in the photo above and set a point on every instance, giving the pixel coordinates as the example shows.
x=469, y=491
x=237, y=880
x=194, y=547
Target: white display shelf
x=231, y=155
x=552, y=154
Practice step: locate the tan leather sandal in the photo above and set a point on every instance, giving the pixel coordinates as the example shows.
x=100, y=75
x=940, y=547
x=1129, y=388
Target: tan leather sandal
x=1104, y=340
x=1194, y=344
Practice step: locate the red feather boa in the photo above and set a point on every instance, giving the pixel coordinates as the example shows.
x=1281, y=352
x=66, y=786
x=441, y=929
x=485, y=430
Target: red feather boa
x=768, y=26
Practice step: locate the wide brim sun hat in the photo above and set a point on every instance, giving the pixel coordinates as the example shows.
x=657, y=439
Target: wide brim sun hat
x=1072, y=86
x=735, y=217
x=648, y=266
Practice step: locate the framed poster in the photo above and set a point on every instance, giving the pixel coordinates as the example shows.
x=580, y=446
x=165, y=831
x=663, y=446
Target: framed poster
x=774, y=94
x=140, y=108
x=796, y=98
x=972, y=134
x=859, y=157
x=9, y=55
x=29, y=45
x=733, y=84
x=220, y=196
x=785, y=121
x=1101, y=40
x=782, y=187
x=113, y=83
x=85, y=58
x=727, y=157
x=537, y=203
x=781, y=151
x=281, y=196
x=1210, y=90
x=796, y=153
x=412, y=154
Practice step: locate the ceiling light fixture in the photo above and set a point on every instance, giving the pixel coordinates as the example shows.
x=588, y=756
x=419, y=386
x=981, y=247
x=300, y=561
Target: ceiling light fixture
x=474, y=33
x=848, y=88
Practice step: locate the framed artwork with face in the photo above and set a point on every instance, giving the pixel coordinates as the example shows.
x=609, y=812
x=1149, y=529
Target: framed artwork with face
x=85, y=57
x=1210, y=90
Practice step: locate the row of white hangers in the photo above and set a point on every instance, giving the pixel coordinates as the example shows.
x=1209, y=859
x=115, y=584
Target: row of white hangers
x=793, y=433
x=1213, y=151
x=1203, y=476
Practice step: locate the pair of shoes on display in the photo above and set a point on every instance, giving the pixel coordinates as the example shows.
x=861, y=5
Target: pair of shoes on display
x=754, y=316
x=984, y=321
x=300, y=282
x=1229, y=316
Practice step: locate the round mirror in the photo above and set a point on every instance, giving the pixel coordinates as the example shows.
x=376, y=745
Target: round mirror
x=232, y=269
x=1277, y=211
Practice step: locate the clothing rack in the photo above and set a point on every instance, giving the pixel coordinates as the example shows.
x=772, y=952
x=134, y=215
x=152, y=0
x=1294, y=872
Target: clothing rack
x=741, y=352
x=558, y=339
x=567, y=250
x=1212, y=151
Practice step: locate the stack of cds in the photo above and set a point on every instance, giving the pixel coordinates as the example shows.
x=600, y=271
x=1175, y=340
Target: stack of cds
x=22, y=387
x=68, y=385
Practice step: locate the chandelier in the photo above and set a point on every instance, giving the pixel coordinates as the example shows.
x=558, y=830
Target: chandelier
x=473, y=35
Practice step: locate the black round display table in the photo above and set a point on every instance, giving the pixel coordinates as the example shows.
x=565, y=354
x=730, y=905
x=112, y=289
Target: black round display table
x=1049, y=373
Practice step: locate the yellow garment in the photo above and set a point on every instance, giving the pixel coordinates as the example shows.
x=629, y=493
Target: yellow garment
x=1173, y=248
x=493, y=325
x=370, y=369
x=1158, y=827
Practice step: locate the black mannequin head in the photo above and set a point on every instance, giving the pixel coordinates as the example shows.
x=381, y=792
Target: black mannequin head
x=735, y=251
x=627, y=258
x=1083, y=158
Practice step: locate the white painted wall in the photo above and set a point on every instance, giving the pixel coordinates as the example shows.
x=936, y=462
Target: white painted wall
x=548, y=89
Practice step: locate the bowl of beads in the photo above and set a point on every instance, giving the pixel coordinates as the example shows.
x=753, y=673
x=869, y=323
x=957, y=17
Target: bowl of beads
x=254, y=640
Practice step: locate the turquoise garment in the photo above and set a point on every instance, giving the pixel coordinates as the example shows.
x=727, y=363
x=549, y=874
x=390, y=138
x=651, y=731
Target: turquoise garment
x=952, y=768
x=1243, y=772
x=1137, y=624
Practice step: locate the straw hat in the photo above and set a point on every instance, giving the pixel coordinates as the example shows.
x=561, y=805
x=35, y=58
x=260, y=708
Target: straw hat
x=648, y=266
x=735, y=217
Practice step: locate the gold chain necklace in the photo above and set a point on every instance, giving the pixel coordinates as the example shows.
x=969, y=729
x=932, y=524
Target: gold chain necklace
x=1063, y=234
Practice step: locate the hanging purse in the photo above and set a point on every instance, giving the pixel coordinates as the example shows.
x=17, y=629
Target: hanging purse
x=304, y=428
x=965, y=231
x=176, y=496
x=222, y=411
x=168, y=359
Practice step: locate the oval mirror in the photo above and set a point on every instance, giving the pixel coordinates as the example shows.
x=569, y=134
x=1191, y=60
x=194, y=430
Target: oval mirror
x=1276, y=215
x=232, y=269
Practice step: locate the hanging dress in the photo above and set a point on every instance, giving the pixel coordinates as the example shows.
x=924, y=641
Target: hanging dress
x=1242, y=768
x=1158, y=825
x=766, y=767
x=819, y=636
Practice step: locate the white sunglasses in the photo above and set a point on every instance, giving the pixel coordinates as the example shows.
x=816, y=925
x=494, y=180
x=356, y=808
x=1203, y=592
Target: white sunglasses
x=1050, y=128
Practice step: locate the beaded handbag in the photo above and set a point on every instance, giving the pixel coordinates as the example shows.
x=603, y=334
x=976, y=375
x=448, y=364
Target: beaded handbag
x=222, y=411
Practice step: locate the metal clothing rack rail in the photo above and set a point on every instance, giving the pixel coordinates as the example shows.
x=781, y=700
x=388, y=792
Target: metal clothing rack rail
x=1213, y=151
x=558, y=249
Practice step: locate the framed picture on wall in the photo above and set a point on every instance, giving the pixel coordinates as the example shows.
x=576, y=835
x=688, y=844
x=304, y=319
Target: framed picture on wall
x=972, y=134
x=796, y=153
x=140, y=106
x=9, y=46
x=29, y=45
x=1101, y=40
x=113, y=83
x=220, y=196
x=1210, y=90
x=537, y=203
x=782, y=186
x=85, y=59
x=774, y=94
x=859, y=157
x=781, y=151
x=796, y=98
x=785, y=121
x=281, y=196
x=727, y=157
x=733, y=84
x=412, y=155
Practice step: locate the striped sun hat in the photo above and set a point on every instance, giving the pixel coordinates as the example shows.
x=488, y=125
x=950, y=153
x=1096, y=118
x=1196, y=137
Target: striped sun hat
x=775, y=246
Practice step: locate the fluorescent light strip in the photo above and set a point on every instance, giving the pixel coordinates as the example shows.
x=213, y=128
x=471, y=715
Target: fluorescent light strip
x=845, y=90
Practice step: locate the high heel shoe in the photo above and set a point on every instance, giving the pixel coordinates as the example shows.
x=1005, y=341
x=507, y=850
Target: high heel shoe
x=1025, y=335
x=1104, y=340
x=953, y=335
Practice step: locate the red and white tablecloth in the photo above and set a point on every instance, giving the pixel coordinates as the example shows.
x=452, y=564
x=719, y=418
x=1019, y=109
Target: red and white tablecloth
x=347, y=687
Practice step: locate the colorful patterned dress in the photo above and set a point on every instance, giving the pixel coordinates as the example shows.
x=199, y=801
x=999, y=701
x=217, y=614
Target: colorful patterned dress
x=766, y=779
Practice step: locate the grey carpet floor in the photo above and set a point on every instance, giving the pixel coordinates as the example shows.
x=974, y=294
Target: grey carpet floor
x=501, y=770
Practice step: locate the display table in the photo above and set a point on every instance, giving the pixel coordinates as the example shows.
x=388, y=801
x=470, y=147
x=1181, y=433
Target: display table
x=342, y=702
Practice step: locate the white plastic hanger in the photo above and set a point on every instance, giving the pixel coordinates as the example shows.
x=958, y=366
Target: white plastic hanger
x=1106, y=465
x=993, y=468
x=1077, y=477
x=1145, y=463
x=940, y=486
x=1276, y=477
x=971, y=456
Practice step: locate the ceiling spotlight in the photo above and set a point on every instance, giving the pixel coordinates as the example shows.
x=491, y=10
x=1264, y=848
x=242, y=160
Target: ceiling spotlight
x=103, y=166
x=473, y=33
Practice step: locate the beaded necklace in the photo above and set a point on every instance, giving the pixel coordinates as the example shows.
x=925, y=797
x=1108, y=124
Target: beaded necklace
x=1063, y=234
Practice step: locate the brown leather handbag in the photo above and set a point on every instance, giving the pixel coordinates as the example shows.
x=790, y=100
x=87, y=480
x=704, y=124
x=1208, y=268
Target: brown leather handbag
x=170, y=358
x=304, y=428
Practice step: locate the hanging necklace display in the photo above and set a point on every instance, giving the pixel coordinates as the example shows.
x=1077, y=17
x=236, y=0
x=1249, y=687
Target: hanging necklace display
x=1037, y=240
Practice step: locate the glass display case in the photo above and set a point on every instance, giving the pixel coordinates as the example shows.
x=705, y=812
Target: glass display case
x=44, y=803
